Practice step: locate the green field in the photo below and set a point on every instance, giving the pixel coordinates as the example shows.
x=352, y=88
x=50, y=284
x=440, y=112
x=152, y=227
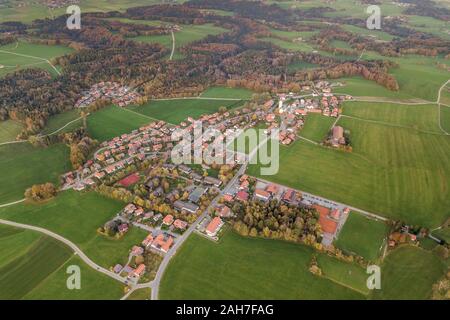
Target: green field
x=60, y=120
x=317, y=127
x=34, y=266
x=16, y=56
x=23, y=165
x=409, y=273
x=228, y=93
x=359, y=87
x=443, y=234
x=140, y=294
x=387, y=170
x=175, y=111
x=113, y=121
x=76, y=216
x=418, y=117
x=188, y=34
x=367, y=32
x=245, y=268
x=445, y=118
x=362, y=236
x=9, y=130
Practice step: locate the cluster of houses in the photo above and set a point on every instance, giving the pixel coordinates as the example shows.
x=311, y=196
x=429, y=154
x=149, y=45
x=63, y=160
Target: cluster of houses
x=118, y=94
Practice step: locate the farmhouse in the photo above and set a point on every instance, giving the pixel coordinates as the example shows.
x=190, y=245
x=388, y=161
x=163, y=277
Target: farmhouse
x=139, y=271
x=214, y=227
x=337, y=137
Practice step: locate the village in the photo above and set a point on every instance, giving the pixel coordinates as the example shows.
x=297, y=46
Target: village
x=118, y=94
x=167, y=199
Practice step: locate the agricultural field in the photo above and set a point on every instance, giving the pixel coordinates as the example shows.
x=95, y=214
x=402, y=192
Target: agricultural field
x=443, y=234
x=409, y=273
x=112, y=121
x=34, y=266
x=21, y=55
x=23, y=165
x=445, y=118
x=419, y=117
x=9, y=130
x=59, y=123
x=362, y=236
x=246, y=268
x=140, y=294
x=76, y=216
x=359, y=87
x=388, y=167
x=316, y=127
x=177, y=110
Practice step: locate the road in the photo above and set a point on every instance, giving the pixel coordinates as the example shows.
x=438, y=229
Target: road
x=173, y=45
x=70, y=244
x=11, y=203
x=180, y=240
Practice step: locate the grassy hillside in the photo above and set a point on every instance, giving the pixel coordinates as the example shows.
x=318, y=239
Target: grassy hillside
x=409, y=273
x=317, y=127
x=244, y=268
x=76, y=216
x=175, y=111
x=23, y=165
x=57, y=121
x=20, y=55
x=113, y=121
x=388, y=168
x=34, y=266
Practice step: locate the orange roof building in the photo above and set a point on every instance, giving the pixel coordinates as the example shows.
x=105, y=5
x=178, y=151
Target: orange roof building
x=168, y=220
x=328, y=225
x=214, y=226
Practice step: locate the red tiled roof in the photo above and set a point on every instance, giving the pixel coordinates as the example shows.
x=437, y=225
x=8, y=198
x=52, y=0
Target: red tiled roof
x=328, y=225
x=214, y=225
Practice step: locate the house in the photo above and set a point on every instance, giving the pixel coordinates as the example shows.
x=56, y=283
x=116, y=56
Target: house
x=184, y=169
x=123, y=228
x=137, y=251
x=196, y=194
x=185, y=206
x=180, y=224
x=163, y=242
x=227, y=198
x=139, y=271
x=242, y=196
x=289, y=196
x=213, y=181
x=328, y=224
x=168, y=220
x=262, y=195
x=214, y=227
x=129, y=208
x=148, y=241
x=223, y=211
x=272, y=189
x=244, y=185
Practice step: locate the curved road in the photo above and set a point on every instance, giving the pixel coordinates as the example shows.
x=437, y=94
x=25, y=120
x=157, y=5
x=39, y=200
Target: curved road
x=70, y=244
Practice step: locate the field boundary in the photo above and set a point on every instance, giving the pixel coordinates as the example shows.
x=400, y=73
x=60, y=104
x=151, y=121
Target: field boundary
x=33, y=57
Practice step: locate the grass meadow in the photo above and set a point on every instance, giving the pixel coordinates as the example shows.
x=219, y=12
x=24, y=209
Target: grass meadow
x=396, y=171
x=33, y=266
x=249, y=268
x=76, y=216
x=362, y=236
x=176, y=111
x=23, y=165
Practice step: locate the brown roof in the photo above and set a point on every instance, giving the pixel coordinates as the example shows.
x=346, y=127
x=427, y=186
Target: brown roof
x=214, y=225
